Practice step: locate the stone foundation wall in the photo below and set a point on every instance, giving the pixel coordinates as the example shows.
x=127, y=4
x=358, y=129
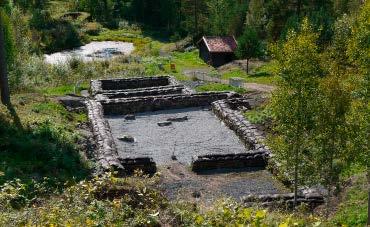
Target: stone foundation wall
x=101, y=86
x=285, y=200
x=151, y=91
x=106, y=152
x=146, y=164
x=153, y=103
x=234, y=119
x=232, y=161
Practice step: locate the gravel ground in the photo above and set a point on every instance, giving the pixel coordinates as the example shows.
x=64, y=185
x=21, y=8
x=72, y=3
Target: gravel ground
x=178, y=182
x=202, y=134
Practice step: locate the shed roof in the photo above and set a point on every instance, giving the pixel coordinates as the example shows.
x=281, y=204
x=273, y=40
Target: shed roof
x=220, y=44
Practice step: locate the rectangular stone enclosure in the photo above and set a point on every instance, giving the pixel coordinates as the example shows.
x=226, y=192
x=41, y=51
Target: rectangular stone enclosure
x=148, y=122
x=158, y=120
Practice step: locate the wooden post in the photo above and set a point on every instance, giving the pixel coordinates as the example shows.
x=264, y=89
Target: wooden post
x=4, y=86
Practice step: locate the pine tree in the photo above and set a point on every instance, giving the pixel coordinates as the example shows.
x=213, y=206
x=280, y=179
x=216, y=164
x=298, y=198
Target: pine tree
x=249, y=46
x=256, y=16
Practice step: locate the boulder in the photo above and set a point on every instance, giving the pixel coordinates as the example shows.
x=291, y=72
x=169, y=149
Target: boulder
x=164, y=123
x=178, y=119
x=127, y=138
x=130, y=117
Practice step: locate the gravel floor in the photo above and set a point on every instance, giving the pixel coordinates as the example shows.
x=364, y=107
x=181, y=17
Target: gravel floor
x=177, y=182
x=202, y=134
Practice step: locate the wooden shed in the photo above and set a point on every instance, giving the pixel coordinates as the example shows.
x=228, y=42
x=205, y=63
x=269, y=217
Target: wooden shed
x=217, y=50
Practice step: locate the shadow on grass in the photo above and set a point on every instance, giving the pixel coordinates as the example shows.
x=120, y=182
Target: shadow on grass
x=33, y=153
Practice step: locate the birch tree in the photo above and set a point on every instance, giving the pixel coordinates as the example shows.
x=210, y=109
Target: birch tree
x=294, y=103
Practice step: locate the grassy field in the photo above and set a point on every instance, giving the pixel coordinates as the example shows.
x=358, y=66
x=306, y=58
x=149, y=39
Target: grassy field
x=220, y=87
x=265, y=74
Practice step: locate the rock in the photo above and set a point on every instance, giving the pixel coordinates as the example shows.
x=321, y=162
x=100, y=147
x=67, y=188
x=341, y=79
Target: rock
x=164, y=123
x=127, y=138
x=72, y=102
x=130, y=117
x=178, y=119
x=196, y=194
x=85, y=93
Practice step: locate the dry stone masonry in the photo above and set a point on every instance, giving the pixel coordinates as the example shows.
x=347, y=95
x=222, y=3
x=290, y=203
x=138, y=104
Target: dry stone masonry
x=227, y=111
x=128, y=98
x=106, y=152
x=139, y=92
x=153, y=103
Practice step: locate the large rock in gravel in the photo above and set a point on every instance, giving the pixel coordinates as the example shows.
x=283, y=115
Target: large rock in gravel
x=178, y=119
x=164, y=123
x=127, y=138
x=130, y=117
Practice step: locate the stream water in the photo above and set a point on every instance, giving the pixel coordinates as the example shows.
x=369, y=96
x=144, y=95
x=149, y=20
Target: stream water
x=91, y=52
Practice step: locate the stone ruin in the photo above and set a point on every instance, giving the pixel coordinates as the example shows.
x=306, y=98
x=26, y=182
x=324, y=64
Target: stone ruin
x=129, y=97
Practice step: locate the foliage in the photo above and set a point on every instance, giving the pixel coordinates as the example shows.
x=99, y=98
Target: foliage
x=40, y=148
x=8, y=33
x=249, y=46
x=104, y=200
x=230, y=213
x=259, y=115
x=221, y=23
x=352, y=211
x=256, y=17
x=294, y=105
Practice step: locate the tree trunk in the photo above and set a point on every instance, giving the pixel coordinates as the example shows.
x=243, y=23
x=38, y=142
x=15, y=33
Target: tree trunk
x=368, y=200
x=4, y=86
x=295, y=177
x=247, y=66
x=299, y=5
x=297, y=144
x=196, y=17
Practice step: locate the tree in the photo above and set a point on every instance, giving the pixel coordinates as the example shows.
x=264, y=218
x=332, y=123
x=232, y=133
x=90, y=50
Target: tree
x=334, y=98
x=249, y=46
x=359, y=54
x=221, y=23
x=4, y=85
x=294, y=104
x=256, y=16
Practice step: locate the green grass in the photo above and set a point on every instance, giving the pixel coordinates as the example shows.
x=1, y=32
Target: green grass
x=45, y=145
x=184, y=61
x=220, y=87
x=64, y=89
x=258, y=116
x=262, y=75
x=141, y=43
x=353, y=209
